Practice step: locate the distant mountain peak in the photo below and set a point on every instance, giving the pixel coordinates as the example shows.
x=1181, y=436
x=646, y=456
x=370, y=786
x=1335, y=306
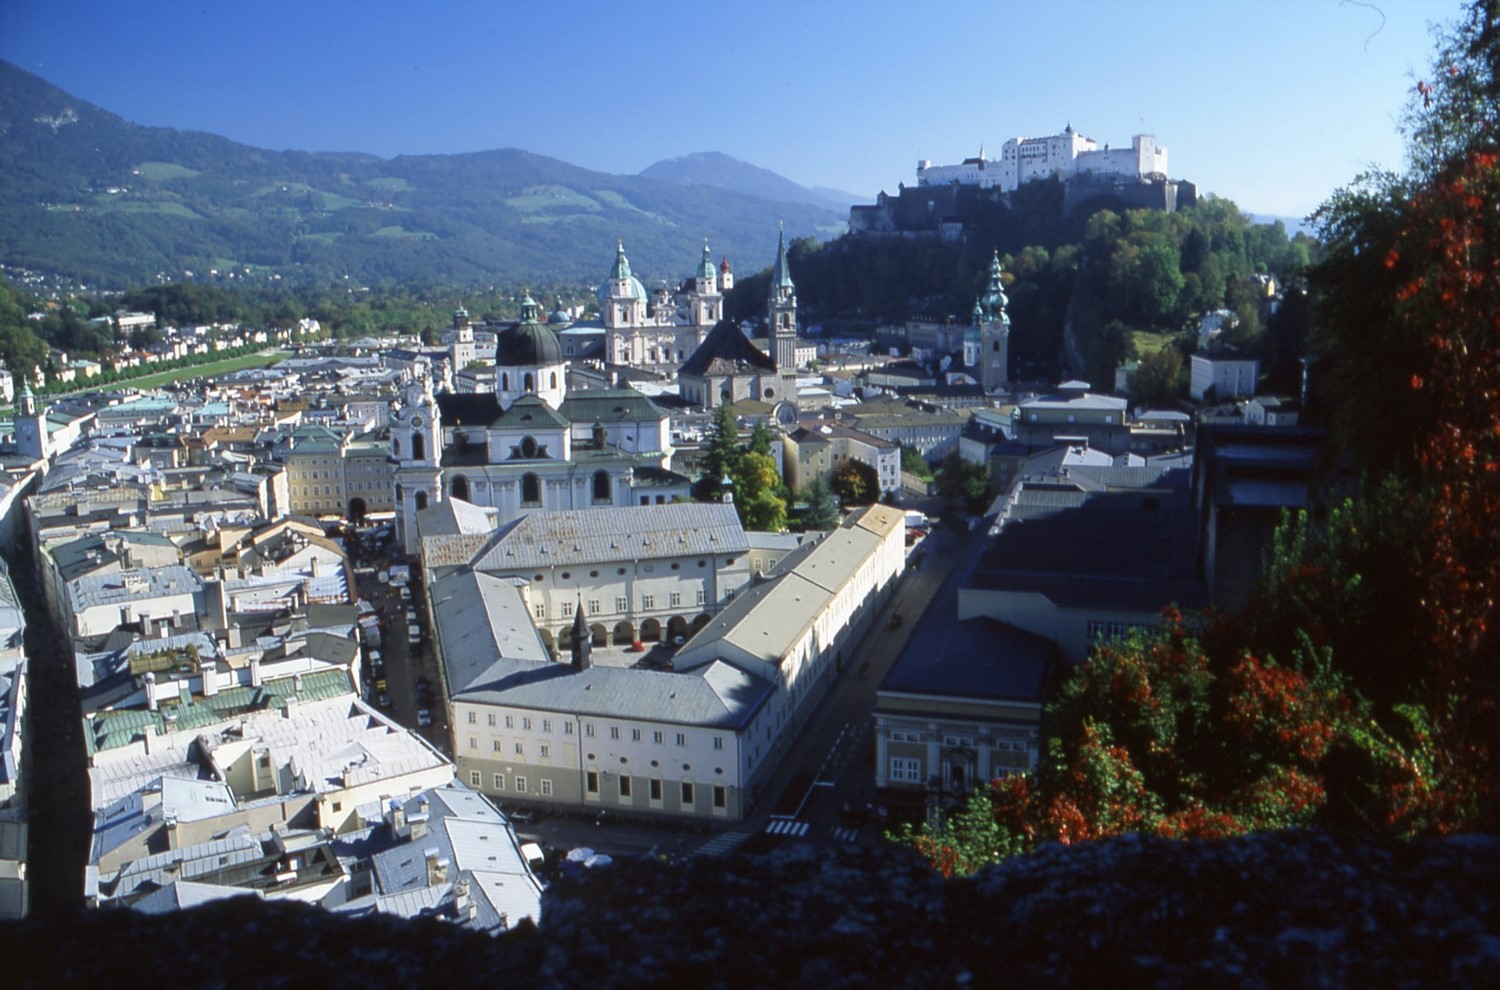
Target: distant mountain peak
x=714, y=168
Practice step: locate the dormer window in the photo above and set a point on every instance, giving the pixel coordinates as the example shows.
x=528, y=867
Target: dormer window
x=528, y=447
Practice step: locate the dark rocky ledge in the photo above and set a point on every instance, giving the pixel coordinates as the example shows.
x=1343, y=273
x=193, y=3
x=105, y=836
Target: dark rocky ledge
x=1275, y=911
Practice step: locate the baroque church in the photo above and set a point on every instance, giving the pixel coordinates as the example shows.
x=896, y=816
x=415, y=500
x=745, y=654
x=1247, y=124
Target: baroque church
x=658, y=333
x=529, y=444
x=728, y=367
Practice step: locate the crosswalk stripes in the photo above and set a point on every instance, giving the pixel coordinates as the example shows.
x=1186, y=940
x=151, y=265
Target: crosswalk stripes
x=723, y=843
x=785, y=827
x=845, y=834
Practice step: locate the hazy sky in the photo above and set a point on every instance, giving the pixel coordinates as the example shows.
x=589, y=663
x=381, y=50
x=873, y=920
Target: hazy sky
x=1271, y=103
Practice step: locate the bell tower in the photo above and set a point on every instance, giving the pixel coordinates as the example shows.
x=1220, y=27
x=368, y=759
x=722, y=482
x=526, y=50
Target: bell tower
x=31, y=425
x=781, y=306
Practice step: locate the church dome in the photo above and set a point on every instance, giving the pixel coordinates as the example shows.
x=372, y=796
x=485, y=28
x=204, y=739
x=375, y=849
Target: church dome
x=630, y=287
x=528, y=344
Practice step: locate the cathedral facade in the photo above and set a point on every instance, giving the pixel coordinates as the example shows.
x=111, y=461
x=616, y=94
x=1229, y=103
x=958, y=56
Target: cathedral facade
x=657, y=331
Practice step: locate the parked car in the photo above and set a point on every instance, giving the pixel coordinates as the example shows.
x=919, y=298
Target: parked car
x=424, y=716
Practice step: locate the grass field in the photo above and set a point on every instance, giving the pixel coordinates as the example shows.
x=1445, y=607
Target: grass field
x=159, y=171
x=224, y=367
x=1148, y=342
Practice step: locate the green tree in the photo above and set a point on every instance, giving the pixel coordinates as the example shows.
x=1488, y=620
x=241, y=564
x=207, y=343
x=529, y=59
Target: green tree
x=721, y=455
x=822, y=506
x=913, y=463
x=1160, y=379
x=855, y=482
x=962, y=482
x=757, y=493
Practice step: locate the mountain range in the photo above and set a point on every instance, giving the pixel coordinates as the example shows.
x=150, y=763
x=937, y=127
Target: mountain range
x=88, y=195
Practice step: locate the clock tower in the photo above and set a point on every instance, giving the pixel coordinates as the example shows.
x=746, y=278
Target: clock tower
x=31, y=426
x=416, y=447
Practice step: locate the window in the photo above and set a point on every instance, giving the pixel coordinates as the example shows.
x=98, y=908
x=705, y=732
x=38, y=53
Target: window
x=702, y=596
x=491, y=719
x=721, y=797
x=648, y=602
x=531, y=490
x=614, y=732
x=682, y=739
x=588, y=729
x=473, y=717
x=567, y=728
x=567, y=610
x=541, y=611
x=510, y=721
x=520, y=785
x=905, y=770
x=594, y=606
x=546, y=786
x=499, y=781
x=718, y=742
x=473, y=742
x=546, y=725
x=656, y=788
x=591, y=781
x=526, y=724
x=687, y=793
x=520, y=749
x=624, y=785
x=656, y=737
x=676, y=599
x=495, y=746
x=546, y=751
x=635, y=735
x=602, y=486
x=622, y=604
x=474, y=778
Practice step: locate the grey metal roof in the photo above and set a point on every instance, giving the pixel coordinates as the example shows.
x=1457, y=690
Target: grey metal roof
x=484, y=630
x=610, y=405
x=977, y=658
x=583, y=536
x=718, y=695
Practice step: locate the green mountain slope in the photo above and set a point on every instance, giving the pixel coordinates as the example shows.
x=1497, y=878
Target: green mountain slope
x=87, y=194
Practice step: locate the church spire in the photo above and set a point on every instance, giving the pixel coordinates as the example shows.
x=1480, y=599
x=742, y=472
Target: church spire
x=622, y=263
x=583, y=639
x=781, y=275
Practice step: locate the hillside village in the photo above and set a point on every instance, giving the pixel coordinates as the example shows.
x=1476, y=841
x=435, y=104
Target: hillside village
x=383, y=626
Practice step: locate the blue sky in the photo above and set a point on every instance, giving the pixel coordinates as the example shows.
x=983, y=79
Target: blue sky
x=1272, y=104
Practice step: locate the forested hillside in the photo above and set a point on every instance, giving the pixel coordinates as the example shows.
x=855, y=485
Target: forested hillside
x=86, y=194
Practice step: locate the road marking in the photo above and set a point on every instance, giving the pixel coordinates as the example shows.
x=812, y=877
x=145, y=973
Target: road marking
x=845, y=835
x=787, y=828
x=723, y=843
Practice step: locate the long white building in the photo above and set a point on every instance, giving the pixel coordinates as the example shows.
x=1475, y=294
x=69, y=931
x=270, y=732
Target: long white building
x=1065, y=155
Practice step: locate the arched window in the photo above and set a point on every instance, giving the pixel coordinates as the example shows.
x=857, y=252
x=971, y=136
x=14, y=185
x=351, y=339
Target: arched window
x=396, y=446
x=504, y=382
x=528, y=447
x=421, y=500
x=418, y=446
x=528, y=384
x=460, y=488
x=554, y=380
x=531, y=490
x=602, y=487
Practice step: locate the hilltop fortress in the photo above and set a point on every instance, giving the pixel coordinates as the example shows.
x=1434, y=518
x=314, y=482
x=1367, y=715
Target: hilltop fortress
x=944, y=194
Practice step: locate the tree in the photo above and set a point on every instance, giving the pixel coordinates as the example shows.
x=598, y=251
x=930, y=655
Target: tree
x=721, y=455
x=757, y=493
x=1159, y=379
x=960, y=481
x=1154, y=735
x=855, y=482
x=913, y=463
x=822, y=506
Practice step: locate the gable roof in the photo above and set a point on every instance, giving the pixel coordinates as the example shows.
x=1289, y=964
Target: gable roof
x=727, y=351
